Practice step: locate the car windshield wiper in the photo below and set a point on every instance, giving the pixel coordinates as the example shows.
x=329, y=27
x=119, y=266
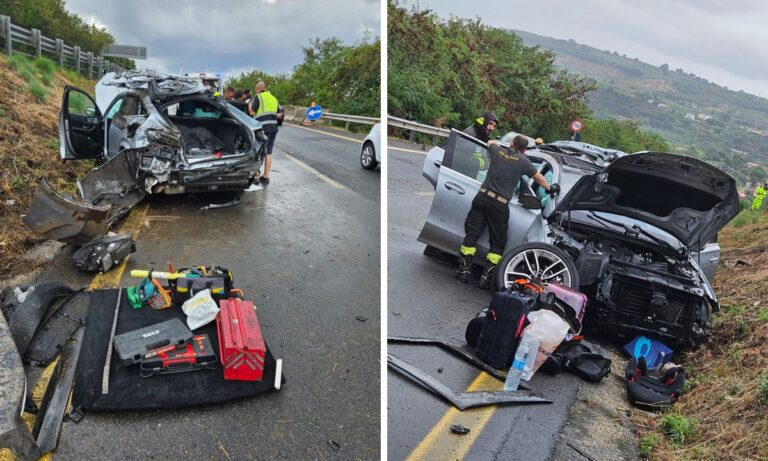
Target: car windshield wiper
x=633, y=230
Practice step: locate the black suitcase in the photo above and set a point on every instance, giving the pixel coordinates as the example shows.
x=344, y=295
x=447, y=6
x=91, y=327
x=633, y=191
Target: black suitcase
x=502, y=327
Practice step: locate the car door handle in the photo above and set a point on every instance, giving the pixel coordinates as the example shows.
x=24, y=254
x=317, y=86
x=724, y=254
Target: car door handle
x=438, y=163
x=714, y=259
x=455, y=187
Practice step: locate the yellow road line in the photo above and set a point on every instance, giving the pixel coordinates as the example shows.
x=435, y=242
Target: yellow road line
x=346, y=138
x=325, y=178
x=402, y=149
x=111, y=279
x=440, y=443
x=132, y=225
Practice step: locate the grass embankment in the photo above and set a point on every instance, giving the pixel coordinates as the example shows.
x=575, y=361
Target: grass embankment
x=723, y=414
x=30, y=100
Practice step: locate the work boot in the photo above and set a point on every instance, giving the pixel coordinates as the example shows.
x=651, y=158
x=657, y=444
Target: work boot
x=489, y=272
x=465, y=266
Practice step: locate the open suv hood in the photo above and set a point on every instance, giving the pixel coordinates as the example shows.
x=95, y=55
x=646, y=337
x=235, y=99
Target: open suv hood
x=684, y=196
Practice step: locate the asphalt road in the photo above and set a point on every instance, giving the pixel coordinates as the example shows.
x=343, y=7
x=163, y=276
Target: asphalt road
x=306, y=250
x=425, y=300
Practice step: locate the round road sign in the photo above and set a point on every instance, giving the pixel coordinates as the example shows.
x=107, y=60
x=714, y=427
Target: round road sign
x=576, y=125
x=314, y=112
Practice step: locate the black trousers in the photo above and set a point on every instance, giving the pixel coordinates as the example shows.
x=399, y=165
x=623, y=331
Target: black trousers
x=487, y=210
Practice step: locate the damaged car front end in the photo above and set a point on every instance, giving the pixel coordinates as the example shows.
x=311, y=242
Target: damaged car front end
x=150, y=134
x=635, y=233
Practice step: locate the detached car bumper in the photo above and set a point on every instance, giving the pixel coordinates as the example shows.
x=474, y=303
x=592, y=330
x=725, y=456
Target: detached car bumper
x=59, y=217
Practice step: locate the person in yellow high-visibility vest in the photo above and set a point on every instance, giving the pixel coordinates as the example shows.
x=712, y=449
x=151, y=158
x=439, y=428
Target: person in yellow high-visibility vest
x=760, y=192
x=263, y=107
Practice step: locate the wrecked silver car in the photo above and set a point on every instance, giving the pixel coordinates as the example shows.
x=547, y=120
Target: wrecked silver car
x=150, y=133
x=638, y=236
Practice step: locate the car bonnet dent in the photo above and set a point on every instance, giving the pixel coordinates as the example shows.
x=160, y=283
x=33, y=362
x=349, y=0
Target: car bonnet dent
x=700, y=198
x=59, y=217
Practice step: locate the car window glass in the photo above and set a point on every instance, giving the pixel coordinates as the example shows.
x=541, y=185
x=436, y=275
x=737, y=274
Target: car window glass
x=129, y=106
x=470, y=159
x=80, y=104
x=114, y=109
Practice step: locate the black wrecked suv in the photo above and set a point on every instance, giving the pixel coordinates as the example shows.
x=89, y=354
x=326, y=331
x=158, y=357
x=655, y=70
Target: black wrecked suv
x=149, y=133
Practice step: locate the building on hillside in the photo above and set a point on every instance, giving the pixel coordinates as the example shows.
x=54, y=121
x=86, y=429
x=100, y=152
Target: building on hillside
x=690, y=116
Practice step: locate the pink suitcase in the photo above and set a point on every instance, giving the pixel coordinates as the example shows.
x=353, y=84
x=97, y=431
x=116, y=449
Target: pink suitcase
x=566, y=299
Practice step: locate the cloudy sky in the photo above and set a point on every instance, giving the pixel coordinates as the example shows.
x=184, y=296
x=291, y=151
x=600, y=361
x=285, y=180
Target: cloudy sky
x=229, y=36
x=722, y=41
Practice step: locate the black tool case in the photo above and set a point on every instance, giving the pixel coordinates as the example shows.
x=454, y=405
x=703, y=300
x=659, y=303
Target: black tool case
x=198, y=354
x=133, y=346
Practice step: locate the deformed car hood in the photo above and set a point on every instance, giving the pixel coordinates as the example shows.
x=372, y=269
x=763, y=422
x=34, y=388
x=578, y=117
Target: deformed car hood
x=688, y=198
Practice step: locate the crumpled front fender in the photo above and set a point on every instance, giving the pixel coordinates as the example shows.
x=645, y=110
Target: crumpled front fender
x=59, y=217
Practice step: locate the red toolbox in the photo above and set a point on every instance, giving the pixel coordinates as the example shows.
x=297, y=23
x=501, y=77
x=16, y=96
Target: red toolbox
x=241, y=345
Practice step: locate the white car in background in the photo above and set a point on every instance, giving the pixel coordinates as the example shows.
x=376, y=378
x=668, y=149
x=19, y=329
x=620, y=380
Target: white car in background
x=370, y=155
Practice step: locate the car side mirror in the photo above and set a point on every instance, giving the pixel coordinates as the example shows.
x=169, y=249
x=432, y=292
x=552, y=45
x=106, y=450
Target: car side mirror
x=530, y=202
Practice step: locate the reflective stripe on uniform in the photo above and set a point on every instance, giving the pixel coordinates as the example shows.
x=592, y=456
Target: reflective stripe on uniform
x=494, y=258
x=467, y=251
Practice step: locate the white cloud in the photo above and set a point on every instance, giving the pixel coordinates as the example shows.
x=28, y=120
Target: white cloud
x=237, y=34
x=720, y=41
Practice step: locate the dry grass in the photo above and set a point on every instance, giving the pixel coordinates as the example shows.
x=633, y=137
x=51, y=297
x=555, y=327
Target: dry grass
x=726, y=376
x=29, y=146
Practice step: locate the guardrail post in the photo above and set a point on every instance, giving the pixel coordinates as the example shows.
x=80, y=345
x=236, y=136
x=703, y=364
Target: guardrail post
x=90, y=64
x=346, y=126
x=6, y=24
x=411, y=136
x=77, y=58
x=37, y=42
x=60, y=52
x=434, y=139
x=99, y=66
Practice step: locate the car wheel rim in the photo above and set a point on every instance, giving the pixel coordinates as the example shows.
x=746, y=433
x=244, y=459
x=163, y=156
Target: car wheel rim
x=367, y=156
x=540, y=266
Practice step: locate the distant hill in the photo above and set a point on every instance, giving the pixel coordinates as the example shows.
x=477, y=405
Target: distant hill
x=700, y=118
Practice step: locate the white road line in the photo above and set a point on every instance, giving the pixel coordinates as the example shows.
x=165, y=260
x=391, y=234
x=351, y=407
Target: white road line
x=401, y=149
x=426, y=194
x=346, y=138
x=325, y=178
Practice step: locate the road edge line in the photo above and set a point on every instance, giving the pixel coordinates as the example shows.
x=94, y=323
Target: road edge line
x=325, y=178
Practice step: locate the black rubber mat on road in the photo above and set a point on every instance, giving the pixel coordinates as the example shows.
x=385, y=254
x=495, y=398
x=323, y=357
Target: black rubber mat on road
x=129, y=391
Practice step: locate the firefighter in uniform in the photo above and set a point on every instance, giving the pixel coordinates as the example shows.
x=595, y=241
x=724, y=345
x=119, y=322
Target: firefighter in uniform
x=264, y=108
x=491, y=206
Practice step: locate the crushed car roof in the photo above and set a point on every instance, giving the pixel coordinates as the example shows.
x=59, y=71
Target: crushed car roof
x=158, y=84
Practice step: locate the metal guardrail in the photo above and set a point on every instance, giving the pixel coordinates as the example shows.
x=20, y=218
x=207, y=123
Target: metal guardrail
x=351, y=118
x=65, y=55
x=414, y=127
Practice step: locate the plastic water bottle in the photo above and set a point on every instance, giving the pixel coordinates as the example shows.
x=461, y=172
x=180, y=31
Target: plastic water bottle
x=518, y=365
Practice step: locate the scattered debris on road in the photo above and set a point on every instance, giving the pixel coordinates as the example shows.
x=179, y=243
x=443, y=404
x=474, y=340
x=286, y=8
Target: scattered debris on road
x=459, y=429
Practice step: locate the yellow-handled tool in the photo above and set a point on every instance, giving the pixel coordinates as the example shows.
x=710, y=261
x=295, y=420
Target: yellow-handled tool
x=138, y=273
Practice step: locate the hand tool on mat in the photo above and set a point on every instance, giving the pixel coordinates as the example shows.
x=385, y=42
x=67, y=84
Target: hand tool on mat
x=108, y=361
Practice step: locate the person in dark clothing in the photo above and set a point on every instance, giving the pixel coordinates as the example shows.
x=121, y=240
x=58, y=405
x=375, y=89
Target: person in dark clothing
x=491, y=206
x=483, y=126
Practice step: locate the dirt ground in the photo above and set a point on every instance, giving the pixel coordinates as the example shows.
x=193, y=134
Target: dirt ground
x=29, y=149
x=725, y=399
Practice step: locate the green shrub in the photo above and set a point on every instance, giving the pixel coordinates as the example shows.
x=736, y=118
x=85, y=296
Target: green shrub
x=38, y=91
x=677, y=428
x=45, y=65
x=763, y=386
x=647, y=444
x=762, y=315
x=18, y=62
x=746, y=217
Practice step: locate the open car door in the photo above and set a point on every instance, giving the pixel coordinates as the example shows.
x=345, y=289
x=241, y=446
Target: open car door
x=81, y=131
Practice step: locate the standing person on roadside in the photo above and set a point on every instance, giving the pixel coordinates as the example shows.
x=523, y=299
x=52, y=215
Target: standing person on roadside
x=229, y=94
x=760, y=192
x=491, y=206
x=263, y=107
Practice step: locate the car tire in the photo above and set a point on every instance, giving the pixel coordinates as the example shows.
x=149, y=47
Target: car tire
x=368, y=156
x=551, y=260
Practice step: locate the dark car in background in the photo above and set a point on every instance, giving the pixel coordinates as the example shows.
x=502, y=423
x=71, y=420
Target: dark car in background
x=637, y=234
x=150, y=133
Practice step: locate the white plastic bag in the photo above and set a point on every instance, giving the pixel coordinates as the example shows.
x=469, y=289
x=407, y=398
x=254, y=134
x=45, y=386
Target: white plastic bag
x=550, y=330
x=201, y=309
